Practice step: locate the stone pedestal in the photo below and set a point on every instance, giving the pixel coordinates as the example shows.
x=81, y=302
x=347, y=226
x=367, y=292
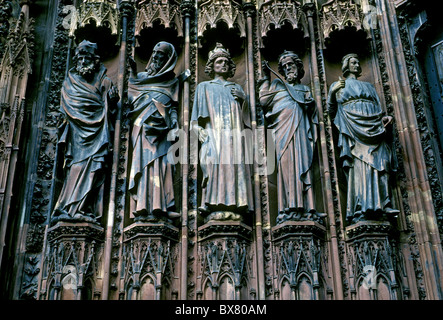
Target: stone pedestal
x=145, y=230
x=224, y=229
x=79, y=230
x=150, y=261
x=368, y=229
x=300, y=260
x=73, y=264
x=375, y=265
x=294, y=229
x=226, y=268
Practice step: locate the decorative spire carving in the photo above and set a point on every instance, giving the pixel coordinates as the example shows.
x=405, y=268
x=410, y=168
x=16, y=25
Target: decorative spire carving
x=19, y=47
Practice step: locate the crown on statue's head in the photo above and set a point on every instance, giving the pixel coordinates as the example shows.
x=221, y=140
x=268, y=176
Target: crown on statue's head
x=219, y=51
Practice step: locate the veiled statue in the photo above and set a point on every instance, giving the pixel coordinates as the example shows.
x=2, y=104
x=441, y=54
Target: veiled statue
x=292, y=117
x=367, y=156
x=220, y=115
x=153, y=95
x=88, y=99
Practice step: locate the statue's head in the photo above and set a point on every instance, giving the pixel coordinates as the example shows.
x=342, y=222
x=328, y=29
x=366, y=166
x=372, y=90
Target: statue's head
x=291, y=66
x=163, y=58
x=220, y=62
x=351, y=64
x=86, y=58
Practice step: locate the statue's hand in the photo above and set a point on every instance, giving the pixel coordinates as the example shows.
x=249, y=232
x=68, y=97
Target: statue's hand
x=62, y=121
x=202, y=135
x=340, y=84
x=238, y=94
x=266, y=72
x=387, y=120
x=132, y=65
x=174, y=133
x=113, y=94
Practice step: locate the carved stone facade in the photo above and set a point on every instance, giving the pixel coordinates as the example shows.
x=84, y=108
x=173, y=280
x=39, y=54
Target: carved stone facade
x=185, y=256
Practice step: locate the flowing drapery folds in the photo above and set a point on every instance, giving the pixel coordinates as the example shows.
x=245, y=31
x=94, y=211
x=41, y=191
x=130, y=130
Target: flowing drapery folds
x=154, y=98
x=293, y=121
x=86, y=141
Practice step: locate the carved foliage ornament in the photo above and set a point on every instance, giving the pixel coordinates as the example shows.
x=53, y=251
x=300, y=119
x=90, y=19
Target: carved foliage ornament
x=4, y=129
x=5, y=15
x=213, y=11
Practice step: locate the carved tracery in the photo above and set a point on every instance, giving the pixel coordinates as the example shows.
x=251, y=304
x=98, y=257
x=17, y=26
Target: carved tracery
x=15, y=67
x=164, y=11
x=278, y=13
x=225, y=264
x=213, y=11
x=72, y=268
x=101, y=12
x=339, y=14
x=376, y=266
x=301, y=259
x=149, y=268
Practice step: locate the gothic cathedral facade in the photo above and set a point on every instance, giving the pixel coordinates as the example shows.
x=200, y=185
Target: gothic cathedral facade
x=221, y=149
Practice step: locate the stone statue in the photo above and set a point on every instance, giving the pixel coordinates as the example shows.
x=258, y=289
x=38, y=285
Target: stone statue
x=153, y=95
x=292, y=116
x=219, y=116
x=88, y=98
x=368, y=159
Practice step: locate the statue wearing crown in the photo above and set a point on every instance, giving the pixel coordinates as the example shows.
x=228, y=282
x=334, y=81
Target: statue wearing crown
x=220, y=116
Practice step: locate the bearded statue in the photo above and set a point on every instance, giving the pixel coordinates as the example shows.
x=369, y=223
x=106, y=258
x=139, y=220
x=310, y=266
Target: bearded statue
x=88, y=99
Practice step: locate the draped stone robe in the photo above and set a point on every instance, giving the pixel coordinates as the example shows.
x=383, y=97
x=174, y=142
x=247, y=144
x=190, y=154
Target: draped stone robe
x=367, y=157
x=86, y=141
x=151, y=184
x=293, y=124
x=225, y=156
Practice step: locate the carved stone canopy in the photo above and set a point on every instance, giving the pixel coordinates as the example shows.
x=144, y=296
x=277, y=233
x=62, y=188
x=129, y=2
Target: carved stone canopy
x=213, y=11
x=19, y=49
x=166, y=12
x=277, y=13
x=339, y=14
x=102, y=13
